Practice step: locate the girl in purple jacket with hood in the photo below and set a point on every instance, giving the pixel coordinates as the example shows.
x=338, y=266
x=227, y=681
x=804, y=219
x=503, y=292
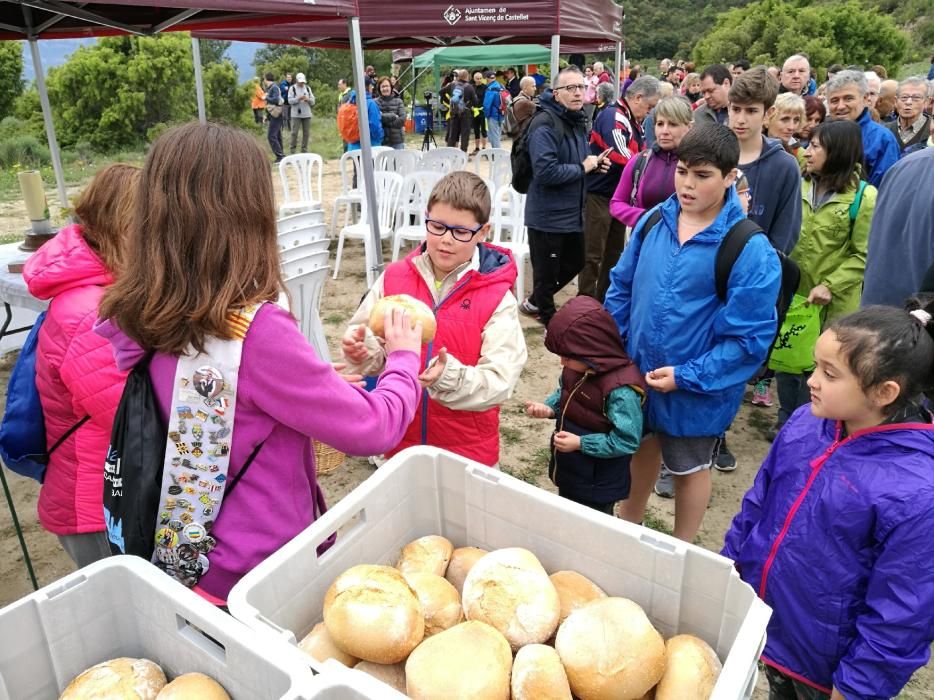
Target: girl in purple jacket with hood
x=201, y=246
x=836, y=533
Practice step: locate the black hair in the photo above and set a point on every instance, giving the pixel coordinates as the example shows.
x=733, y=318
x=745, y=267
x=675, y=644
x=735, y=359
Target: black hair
x=714, y=144
x=270, y=76
x=718, y=73
x=835, y=68
x=842, y=141
x=882, y=343
x=741, y=63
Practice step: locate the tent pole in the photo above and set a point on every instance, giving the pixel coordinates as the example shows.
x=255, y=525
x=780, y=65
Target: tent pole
x=619, y=64
x=49, y=125
x=199, y=83
x=555, y=49
x=366, y=159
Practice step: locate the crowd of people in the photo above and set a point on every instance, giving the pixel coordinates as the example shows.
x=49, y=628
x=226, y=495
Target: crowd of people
x=726, y=226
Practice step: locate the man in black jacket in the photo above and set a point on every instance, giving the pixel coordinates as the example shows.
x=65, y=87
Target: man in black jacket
x=463, y=98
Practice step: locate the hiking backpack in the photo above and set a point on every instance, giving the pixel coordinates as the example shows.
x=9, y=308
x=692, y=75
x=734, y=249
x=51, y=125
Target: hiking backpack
x=511, y=125
x=520, y=159
x=504, y=101
x=457, y=100
x=23, y=446
x=348, y=125
x=638, y=170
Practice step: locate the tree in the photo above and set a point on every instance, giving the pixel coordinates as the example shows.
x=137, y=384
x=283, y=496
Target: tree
x=11, y=68
x=212, y=51
x=771, y=30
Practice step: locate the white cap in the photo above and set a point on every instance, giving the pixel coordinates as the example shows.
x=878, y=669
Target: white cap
x=300, y=78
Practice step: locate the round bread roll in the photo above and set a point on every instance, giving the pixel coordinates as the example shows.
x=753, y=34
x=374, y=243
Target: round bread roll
x=537, y=674
x=510, y=590
x=193, y=686
x=418, y=311
x=692, y=670
x=372, y=614
x=462, y=561
x=125, y=678
x=441, y=603
x=610, y=650
x=574, y=591
x=429, y=554
x=319, y=644
x=392, y=675
x=470, y=661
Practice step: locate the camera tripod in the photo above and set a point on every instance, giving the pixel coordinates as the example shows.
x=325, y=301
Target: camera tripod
x=428, y=140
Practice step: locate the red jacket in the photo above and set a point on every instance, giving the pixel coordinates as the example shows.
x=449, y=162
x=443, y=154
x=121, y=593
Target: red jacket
x=76, y=376
x=461, y=317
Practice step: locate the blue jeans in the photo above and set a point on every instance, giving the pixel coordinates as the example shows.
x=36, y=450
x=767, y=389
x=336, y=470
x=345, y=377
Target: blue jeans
x=274, y=136
x=494, y=129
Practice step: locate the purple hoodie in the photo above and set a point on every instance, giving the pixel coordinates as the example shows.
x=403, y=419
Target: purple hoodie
x=656, y=185
x=286, y=396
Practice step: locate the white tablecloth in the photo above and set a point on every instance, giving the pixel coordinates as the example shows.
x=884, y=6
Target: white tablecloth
x=12, y=286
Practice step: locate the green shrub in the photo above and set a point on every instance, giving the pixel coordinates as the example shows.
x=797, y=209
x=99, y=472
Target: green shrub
x=23, y=151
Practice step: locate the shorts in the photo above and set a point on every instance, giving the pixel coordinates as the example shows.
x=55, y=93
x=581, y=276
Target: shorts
x=686, y=455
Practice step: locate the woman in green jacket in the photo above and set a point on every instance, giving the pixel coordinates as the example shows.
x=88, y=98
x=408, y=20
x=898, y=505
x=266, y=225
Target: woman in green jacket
x=836, y=211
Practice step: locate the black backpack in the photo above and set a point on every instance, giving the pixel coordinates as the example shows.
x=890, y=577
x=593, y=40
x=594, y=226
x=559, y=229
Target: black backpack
x=520, y=158
x=730, y=248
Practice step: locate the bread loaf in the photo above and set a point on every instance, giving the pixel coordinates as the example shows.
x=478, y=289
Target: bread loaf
x=124, y=678
x=429, y=554
x=610, y=650
x=417, y=310
x=510, y=590
x=441, y=603
x=319, y=644
x=193, y=686
x=574, y=591
x=692, y=670
x=372, y=614
x=392, y=675
x=470, y=661
x=462, y=560
x=537, y=674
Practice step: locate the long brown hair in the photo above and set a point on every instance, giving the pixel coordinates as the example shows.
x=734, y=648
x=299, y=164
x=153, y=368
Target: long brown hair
x=106, y=208
x=202, y=243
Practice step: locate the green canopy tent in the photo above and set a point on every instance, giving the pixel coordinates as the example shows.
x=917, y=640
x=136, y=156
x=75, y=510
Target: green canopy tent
x=489, y=55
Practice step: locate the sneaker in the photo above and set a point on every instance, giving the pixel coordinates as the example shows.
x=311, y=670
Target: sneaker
x=665, y=484
x=527, y=308
x=724, y=461
x=762, y=393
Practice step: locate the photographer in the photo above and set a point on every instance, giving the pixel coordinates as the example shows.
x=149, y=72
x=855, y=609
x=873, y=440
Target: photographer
x=301, y=100
x=462, y=100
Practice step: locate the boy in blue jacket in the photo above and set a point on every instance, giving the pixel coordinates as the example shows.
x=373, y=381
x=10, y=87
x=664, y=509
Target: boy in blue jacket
x=696, y=350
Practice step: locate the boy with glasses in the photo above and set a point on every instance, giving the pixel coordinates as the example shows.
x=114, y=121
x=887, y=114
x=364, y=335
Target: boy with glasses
x=474, y=361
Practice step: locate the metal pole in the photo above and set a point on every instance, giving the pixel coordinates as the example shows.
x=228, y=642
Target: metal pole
x=555, y=49
x=619, y=65
x=366, y=159
x=199, y=83
x=19, y=532
x=49, y=125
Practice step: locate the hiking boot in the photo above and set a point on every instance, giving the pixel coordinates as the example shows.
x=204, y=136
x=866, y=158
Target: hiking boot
x=724, y=460
x=762, y=393
x=665, y=484
x=527, y=308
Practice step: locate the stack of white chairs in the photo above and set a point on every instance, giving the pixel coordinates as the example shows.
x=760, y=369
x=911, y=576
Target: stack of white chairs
x=388, y=186
x=509, y=214
x=300, y=220
x=403, y=161
x=303, y=254
x=496, y=163
x=443, y=160
x=410, y=218
x=301, y=177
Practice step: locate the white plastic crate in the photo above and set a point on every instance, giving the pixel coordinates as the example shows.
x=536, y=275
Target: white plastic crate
x=124, y=606
x=425, y=491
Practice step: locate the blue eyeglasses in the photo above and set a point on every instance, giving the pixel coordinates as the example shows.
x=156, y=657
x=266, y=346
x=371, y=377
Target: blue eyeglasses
x=460, y=233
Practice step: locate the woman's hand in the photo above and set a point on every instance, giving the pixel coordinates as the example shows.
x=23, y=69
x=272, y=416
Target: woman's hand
x=820, y=295
x=400, y=335
x=538, y=410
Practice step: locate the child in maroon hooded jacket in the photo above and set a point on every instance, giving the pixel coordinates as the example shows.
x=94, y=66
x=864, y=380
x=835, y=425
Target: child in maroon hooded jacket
x=597, y=406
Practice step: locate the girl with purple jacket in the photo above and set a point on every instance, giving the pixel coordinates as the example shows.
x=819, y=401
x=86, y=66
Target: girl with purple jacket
x=835, y=534
x=199, y=251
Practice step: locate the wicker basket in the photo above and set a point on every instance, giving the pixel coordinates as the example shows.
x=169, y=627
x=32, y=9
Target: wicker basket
x=327, y=458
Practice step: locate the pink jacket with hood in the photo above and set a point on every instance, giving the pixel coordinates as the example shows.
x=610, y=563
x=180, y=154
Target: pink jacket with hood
x=76, y=376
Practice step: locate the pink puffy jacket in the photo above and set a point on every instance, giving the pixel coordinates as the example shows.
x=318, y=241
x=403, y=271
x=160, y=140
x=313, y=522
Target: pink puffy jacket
x=77, y=377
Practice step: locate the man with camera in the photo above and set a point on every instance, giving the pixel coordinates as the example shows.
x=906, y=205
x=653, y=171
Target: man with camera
x=462, y=99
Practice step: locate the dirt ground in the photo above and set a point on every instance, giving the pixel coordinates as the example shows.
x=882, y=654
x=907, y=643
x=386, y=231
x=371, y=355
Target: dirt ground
x=524, y=443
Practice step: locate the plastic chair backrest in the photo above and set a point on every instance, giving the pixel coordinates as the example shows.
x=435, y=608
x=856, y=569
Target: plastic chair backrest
x=301, y=220
x=498, y=164
x=306, y=289
x=304, y=250
x=299, y=266
x=509, y=212
x=444, y=160
x=303, y=168
x=416, y=188
x=301, y=236
x=402, y=162
x=349, y=166
x=388, y=186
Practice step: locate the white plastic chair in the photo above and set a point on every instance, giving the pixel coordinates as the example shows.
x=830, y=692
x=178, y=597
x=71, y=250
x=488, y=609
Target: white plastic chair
x=306, y=170
x=300, y=220
x=403, y=162
x=304, y=250
x=301, y=236
x=410, y=220
x=388, y=186
x=518, y=243
x=305, y=289
x=497, y=163
x=350, y=194
x=299, y=266
x=443, y=160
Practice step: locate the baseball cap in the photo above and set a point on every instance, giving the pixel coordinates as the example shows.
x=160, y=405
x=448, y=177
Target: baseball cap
x=300, y=78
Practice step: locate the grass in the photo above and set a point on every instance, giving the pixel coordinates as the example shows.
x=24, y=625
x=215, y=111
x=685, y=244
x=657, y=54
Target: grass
x=337, y=318
x=653, y=522
x=510, y=436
